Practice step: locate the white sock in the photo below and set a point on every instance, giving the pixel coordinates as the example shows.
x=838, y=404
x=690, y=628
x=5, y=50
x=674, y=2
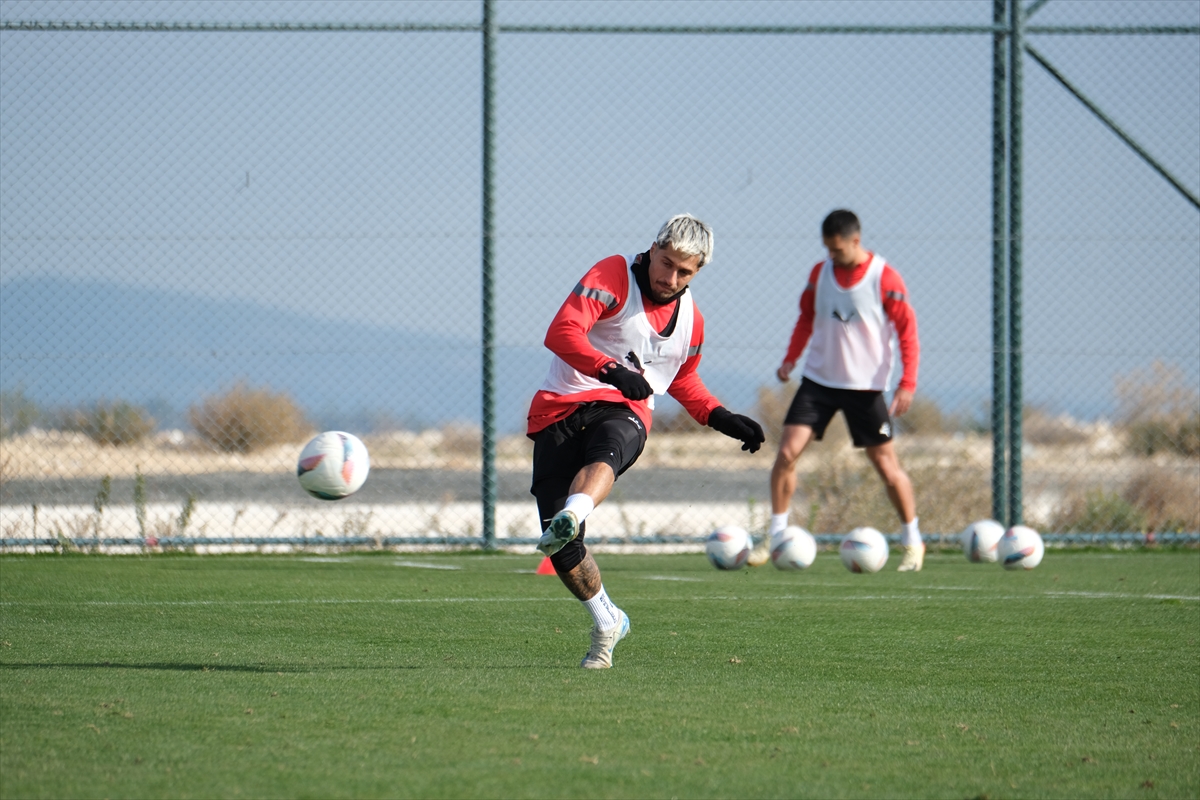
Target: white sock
x=580, y=505
x=778, y=523
x=603, y=612
x=910, y=533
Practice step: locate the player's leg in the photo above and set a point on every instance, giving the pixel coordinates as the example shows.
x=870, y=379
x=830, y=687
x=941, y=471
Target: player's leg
x=588, y=489
x=806, y=419
x=870, y=427
x=783, y=473
x=899, y=488
x=900, y=492
x=605, y=441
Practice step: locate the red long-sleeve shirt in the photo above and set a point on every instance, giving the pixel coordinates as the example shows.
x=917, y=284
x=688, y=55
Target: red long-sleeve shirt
x=567, y=339
x=895, y=305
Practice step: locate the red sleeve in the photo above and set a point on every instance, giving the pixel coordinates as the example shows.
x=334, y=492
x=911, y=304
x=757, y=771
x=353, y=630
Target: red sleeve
x=804, y=325
x=687, y=387
x=600, y=293
x=904, y=320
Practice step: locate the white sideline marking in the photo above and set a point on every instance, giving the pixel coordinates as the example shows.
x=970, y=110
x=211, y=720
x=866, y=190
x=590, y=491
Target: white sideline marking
x=951, y=588
x=424, y=565
x=671, y=578
x=1119, y=595
x=694, y=598
x=329, y=559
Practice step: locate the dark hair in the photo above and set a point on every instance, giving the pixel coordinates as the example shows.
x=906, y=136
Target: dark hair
x=840, y=223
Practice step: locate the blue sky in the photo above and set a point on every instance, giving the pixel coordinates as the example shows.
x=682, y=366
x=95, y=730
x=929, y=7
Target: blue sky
x=336, y=175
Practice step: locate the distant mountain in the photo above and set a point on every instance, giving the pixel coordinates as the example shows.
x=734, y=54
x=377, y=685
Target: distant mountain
x=66, y=342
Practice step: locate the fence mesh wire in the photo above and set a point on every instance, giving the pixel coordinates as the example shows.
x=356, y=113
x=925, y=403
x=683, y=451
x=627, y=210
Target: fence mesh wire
x=214, y=243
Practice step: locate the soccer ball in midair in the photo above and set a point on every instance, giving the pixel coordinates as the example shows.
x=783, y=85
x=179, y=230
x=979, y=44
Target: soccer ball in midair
x=1020, y=548
x=864, y=550
x=333, y=465
x=728, y=547
x=793, y=548
x=980, y=540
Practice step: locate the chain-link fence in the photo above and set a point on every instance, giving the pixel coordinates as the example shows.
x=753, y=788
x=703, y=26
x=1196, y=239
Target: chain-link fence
x=224, y=227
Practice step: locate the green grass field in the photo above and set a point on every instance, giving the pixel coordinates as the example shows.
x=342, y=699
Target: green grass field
x=376, y=675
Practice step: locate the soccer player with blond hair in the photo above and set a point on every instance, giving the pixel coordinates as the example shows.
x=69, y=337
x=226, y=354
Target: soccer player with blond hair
x=629, y=331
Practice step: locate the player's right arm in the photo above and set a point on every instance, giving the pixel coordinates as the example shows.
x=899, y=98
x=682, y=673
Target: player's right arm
x=804, y=327
x=599, y=294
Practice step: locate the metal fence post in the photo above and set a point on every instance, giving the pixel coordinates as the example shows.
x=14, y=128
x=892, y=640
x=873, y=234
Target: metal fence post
x=1016, y=50
x=488, y=472
x=999, y=267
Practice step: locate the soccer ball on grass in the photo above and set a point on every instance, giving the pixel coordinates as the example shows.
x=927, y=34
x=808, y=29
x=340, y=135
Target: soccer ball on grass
x=333, y=465
x=980, y=540
x=864, y=550
x=1021, y=548
x=728, y=547
x=793, y=548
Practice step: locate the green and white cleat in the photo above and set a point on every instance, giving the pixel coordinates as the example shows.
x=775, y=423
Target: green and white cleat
x=603, y=642
x=914, y=558
x=563, y=528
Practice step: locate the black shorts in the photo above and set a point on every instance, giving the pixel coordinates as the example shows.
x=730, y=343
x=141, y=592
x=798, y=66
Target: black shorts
x=866, y=412
x=599, y=432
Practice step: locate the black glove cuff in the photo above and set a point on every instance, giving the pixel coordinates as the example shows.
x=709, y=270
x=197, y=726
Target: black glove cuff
x=718, y=415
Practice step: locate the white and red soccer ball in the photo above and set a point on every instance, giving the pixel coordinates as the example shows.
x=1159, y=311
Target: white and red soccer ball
x=864, y=550
x=793, y=548
x=728, y=547
x=980, y=541
x=1020, y=547
x=333, y=465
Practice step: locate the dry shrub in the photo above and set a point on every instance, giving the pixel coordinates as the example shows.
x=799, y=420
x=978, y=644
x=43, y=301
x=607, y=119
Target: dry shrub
x=773, y=402
x=1039, y=427
x=1160, y=410
x=245, y=419
x=17, y=413
x=923, y=416
x=841, y=496
x=1169, y=500
x=114, y=424
x=460, y=440
x=1095, y=510
x=678, y=422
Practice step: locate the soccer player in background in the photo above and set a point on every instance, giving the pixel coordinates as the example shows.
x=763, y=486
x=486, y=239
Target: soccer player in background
x=628, y=331
x=852, y=305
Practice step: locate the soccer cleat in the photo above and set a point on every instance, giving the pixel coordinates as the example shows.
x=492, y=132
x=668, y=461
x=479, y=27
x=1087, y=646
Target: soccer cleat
x=599, y=656
x=761, y=553
x=914, y=558
x=563, y=528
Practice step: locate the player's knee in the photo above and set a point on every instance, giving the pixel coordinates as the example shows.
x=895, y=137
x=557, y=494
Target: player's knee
x=786, y=458
x=569, y=556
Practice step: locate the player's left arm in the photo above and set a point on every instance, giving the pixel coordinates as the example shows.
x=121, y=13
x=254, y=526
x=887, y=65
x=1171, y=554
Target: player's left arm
x=705, y=408
x=898, y=309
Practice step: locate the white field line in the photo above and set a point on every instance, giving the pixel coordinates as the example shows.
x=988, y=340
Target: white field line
x=688, y=599
x=425, y=565
x=1119, y=595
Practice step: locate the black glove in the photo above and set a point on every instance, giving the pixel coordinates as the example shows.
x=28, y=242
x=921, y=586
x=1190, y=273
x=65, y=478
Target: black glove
x=628, y=382
x=737, y=426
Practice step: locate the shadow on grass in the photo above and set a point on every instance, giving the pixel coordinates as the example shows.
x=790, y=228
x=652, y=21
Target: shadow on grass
x=266, y=670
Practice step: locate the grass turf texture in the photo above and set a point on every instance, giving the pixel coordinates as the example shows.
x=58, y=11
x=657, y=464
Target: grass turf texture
x=369, y=676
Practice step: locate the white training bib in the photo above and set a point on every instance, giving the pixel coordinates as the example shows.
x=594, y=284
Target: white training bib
x=630, y=340
x=851, y=345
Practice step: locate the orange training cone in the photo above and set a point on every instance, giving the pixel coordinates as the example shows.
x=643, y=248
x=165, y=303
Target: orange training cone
x=546, y=567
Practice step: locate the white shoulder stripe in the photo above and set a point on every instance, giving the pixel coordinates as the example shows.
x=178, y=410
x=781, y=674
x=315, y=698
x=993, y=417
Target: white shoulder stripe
x=606, y=298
